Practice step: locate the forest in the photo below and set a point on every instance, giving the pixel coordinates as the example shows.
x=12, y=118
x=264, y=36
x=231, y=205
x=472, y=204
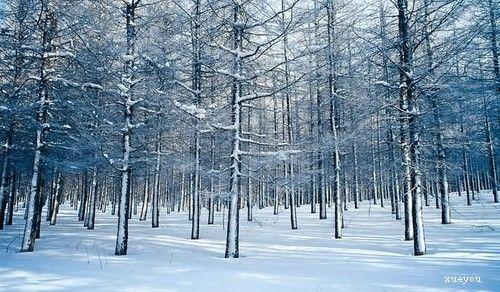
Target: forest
x=133, y=126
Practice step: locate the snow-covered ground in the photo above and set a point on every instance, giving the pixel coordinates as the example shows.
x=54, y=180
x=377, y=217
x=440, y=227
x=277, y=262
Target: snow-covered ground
x=372, y=256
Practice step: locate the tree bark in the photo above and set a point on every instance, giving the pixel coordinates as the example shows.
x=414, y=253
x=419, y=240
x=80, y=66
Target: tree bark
x=333, y=121
x=145, y=200
x=5, y=180
x=233, y=226
x=92, y=201
x=54, y=210
x=412, y=153
x=34, y=202
x=196, y=87
x=404, y=117
x=126, y=170
x=12, y=197
x=491, y=156
x=155, y=202
x=290, y=189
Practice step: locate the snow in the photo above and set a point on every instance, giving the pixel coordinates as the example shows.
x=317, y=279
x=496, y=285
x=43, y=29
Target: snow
x=122, y=88
x=199, y=113
x=128, y=58
x=58, y=54
x=64, y=81
x=108, y=122
x=131, y=81
x=134, y=126
x=132, y=102
x=372, y=256
x=280, y=155
x=91, y=85
x=382, y=83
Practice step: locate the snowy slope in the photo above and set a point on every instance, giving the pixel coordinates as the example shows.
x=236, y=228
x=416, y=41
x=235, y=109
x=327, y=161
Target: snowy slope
x=372, y=256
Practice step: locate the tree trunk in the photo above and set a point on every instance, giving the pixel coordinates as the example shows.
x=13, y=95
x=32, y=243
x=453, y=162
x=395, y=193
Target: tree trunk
x=92, y=201
x=211, y=204
x=467, y=185
x=4, y=181
x=145, y=200
x=319, y=124
x=195, y=230
x=56, y=199
x=50, y=199
x=83, y=197
x=333, y=124
x=404, y=118
x=196, y=87
x=233, y=226
x=275, y=175
x=436, y=109
x=155, y=202
x=290, y=189
x=494, y=47
x=126, y=170
x=356, y=178
x=33, y=208
x=249, y=174
x=411, y=114
x=491, y=156
x=12, y=197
